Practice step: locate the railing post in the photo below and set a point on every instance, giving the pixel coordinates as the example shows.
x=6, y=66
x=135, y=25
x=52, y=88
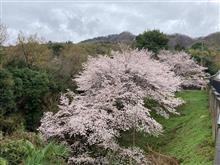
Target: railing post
x=214, y=108
x=217, y=114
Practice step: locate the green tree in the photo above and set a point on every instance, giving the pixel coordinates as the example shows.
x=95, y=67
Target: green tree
x=30, y=88
x=199, y=46
x=152, y=40
x=24, y=95
x=2, y=54
x=32, y=50
x=7, y=103
x=206, y=58
x=178, y=47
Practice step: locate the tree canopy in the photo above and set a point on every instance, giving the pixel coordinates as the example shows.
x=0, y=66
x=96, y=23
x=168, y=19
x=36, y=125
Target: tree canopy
x=152, y=40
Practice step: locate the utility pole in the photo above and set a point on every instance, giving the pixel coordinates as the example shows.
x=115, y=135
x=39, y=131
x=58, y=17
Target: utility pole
x=202, y=53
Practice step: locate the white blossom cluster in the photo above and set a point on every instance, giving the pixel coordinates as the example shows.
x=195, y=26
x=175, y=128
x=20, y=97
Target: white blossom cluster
x=111, y=102
x=191, y=74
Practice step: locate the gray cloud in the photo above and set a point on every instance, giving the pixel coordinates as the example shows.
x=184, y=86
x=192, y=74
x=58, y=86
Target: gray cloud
x=58, y=21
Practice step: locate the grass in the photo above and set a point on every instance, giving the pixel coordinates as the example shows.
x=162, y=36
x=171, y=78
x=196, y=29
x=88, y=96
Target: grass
x=187, y=136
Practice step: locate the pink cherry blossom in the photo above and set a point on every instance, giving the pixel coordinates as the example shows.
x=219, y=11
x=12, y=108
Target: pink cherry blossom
x=111, y=102
x=191, y=74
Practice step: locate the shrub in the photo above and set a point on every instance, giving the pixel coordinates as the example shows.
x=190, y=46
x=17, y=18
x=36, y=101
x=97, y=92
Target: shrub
x=10, y=123
x=23, y=151
x=3, y=161
x=14, y=151
x=200, y=46
x=51, y=154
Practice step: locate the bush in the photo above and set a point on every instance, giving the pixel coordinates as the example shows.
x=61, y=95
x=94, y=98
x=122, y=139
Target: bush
x=14, y=151
x=207, y=61
x=3, y=161
x=205, y=57
x=23, y=151
x=199, y=46
x=51, y=154
x=9, y=124
x=32, y=137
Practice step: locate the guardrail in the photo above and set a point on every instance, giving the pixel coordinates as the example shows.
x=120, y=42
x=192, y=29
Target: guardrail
x=214, y=108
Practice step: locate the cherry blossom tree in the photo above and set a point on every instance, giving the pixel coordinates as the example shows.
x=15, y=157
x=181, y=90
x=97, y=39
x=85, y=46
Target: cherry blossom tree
x=191, y=74
x=111, y=102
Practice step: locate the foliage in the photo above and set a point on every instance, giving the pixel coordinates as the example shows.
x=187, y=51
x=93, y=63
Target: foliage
x=31, y=50
x=3, y=161
x=207, y=58
x=7, y=102
x=37, y=77
x=30, y=88
x=62, y=60
x=23, y=151
x=2, y=55
x=22, y=91
x=14, y=151
x=199, y=46
x=11, y=122
x=32, y=137
x=113, y=89
x=56, y=47
x=68, y=63
x=191, y=74
x=152, y=40
x=151, y=103
x=207, y=61
x=178, y=47
x=51, y=154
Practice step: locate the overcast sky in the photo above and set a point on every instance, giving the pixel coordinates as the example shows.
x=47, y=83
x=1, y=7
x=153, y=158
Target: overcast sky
x=76, y=21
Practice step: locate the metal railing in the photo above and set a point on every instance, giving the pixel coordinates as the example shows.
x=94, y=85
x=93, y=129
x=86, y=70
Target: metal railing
x=214, y=108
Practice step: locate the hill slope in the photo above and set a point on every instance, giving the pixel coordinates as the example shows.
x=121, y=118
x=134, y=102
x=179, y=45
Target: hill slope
x=180, y=39
x=211, y=40
x=124, y=37
x=187, y=137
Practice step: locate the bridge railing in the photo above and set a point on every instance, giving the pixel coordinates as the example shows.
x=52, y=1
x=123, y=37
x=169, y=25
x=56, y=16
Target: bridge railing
x=214, y=108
